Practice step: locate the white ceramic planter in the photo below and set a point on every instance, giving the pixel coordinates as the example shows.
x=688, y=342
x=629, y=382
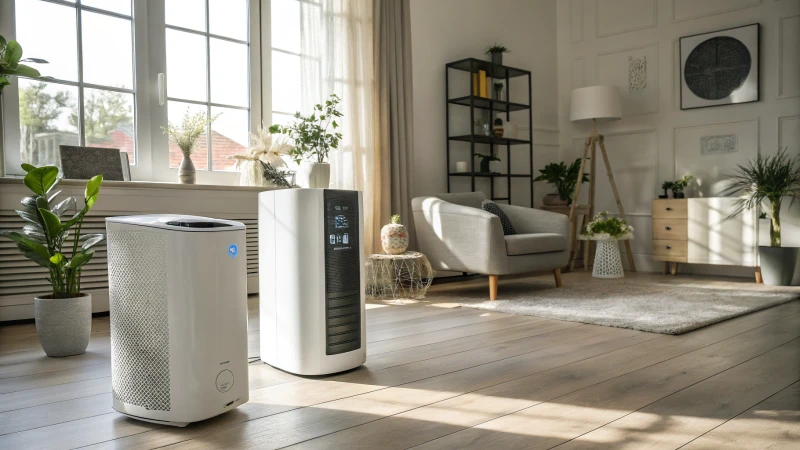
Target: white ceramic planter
x=394, y=238
x=64, y=325
x=315, y=175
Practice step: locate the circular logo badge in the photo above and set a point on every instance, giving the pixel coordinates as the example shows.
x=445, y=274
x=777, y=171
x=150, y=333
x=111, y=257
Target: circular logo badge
x=233, y=250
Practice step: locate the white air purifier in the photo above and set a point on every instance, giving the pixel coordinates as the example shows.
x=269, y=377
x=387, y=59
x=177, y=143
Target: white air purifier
x=178, y=302
x=311, y=260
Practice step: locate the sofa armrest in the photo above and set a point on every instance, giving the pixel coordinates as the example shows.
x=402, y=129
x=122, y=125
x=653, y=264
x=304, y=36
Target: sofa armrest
x=531, y=220
x=459, y=238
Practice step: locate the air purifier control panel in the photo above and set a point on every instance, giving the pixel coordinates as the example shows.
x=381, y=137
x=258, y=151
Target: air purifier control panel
x=342, y=272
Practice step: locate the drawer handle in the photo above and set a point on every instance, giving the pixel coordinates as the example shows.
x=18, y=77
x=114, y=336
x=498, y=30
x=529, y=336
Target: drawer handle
x=669, y=209
x=667, y=228
x=667, y=247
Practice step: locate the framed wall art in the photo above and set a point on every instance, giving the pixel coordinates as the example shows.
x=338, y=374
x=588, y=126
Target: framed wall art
x=720, y=68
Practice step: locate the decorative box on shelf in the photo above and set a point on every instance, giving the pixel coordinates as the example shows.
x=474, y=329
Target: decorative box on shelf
x=702, y=231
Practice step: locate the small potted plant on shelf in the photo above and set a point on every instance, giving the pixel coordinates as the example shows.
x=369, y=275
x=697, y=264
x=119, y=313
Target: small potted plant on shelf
x=679, y=186
x=313, y=137
x=667, y=185
x=563, y=178
x=185, y=137
x=496, y=51
x=63, y=317
x=498, y=90
x=486, y=160
x=769, y=180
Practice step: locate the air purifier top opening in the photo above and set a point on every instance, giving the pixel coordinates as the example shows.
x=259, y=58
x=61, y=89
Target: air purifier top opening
x=177, y=222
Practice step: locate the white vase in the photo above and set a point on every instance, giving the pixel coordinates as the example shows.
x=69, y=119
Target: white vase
x=64, y=325
x=394, y=238
x=186, y=171
x=315, y=175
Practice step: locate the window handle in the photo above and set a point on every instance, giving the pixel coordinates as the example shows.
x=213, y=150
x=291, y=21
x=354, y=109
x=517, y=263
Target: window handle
x=161, y=90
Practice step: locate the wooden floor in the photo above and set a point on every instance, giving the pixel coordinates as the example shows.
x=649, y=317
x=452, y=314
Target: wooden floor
x=444, y=377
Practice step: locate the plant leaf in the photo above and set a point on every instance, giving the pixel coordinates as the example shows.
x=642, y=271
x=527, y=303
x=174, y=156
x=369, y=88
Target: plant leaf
x=41, y=179
x=57, y=259
x=53, y=196
x=92, y=240
x=13, y=53
x=63, y=206
x=92, y=191
x=27, y=244
x=79, y=259
x=30, y=217
x=27, y=167
x=23, y=70
x=52, y=224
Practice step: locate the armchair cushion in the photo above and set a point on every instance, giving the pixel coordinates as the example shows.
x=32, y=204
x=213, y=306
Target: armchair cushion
x=531, y=243
x=490, y=206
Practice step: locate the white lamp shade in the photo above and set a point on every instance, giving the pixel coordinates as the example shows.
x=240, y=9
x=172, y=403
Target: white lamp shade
x=595, y=102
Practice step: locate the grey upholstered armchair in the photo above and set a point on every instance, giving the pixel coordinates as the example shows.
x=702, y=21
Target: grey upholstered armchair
x=456, y=234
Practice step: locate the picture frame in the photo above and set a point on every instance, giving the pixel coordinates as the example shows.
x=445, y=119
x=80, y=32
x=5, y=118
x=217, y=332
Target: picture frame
x=720, y=67
x=82, y=163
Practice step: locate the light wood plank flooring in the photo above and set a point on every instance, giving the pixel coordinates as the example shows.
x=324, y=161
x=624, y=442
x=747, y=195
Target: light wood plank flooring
x=443, y=377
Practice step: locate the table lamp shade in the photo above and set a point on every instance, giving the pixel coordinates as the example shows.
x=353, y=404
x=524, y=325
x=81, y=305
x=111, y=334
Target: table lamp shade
x=595, y=102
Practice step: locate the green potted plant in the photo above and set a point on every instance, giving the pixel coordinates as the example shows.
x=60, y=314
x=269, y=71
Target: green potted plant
x=313, y=141
x=496, y=51
x=666, y=186
x=498, y=90
x=486, y=160
x=563, y=178
x=606, y=230
x=767, y=182
x=64, y=316
x=185, y=136
x=679, y=186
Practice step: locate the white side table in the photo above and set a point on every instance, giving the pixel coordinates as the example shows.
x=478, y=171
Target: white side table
x=607, y=261
x=407, y=275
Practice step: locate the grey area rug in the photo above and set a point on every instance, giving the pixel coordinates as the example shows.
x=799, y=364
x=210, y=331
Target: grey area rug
x=654, y=307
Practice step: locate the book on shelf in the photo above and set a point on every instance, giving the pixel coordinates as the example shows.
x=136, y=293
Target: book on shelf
x=475, y=80
x=482, y=83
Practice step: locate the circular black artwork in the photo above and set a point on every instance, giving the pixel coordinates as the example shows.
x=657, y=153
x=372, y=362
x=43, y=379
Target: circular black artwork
x=717, y=67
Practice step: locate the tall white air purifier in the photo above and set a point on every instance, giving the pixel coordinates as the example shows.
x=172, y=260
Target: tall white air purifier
x=178, y=302
x=311, y=259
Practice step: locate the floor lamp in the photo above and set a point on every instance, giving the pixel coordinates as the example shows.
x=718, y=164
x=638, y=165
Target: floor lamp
x=596, y=103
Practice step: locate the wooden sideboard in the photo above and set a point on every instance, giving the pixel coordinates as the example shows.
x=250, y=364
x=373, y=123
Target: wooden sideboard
x=702, y=231
x=21, y=279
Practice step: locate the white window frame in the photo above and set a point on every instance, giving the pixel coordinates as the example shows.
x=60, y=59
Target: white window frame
x=149, y=50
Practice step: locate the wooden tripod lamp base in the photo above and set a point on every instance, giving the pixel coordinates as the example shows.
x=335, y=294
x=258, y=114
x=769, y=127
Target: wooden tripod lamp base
x=594, y=103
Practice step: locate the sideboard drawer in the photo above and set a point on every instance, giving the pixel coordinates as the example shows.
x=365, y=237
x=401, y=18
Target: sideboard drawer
x=670, y=250
x=670, y=209
x=675, y=229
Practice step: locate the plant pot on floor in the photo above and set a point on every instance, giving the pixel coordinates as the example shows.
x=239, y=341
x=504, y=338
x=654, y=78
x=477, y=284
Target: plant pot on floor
x=315, y=175
x=64, y=325
x=778, y=264
x=554, y=200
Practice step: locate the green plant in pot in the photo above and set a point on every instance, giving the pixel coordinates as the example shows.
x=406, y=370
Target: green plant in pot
x=486, y=161
x=679, y=186
x=496, y=51
x=666, y=186
x=498, y=90
x=64, y=316
x=563, y=178
x=313, y=137
x=767, y=182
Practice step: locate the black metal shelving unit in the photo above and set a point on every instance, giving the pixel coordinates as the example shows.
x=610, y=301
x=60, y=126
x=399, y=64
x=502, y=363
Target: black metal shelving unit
x=473, y=102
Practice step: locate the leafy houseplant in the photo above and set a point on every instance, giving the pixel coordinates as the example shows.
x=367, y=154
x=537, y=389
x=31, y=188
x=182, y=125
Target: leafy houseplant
x=63, y=318
x=679, y=186
x=313, y=137
x=498, y=90
x=185, y=136
x=607, y=227
x=667, y=185
x=10, y=59
x=563, y=178
x=485, y=160
x=770, y=179
x=607, y=230
x=497, y=51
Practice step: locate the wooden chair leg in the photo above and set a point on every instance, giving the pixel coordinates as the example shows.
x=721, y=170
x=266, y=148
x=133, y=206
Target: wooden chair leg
x=557, y=276
x=493, y=287
x=759, y=280
x=673, y=268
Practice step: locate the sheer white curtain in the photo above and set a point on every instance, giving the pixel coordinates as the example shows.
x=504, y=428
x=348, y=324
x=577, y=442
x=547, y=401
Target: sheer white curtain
x=337, y=58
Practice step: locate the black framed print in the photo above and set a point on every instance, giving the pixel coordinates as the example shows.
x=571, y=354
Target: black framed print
x=720, y=68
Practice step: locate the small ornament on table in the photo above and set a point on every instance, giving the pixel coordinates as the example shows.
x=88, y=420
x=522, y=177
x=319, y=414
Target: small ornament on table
x=498, y=130
x=394, y=237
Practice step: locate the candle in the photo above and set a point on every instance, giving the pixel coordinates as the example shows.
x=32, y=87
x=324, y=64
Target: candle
x=461, y=166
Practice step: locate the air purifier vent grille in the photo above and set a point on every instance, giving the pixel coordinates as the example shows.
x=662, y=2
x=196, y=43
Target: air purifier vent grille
x=137, y=276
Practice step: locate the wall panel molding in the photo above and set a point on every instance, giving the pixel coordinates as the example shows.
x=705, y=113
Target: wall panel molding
x=626, y=6
x=782, y=128
x=785, y=51
x=692, y=10
x=632, y=103
x=576, y=21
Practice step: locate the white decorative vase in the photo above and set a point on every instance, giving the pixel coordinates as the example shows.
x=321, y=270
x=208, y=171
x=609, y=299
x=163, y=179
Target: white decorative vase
x=186, y=171
x=394, y=237
x=607, y=261
x=64, y=325
x=315, y=175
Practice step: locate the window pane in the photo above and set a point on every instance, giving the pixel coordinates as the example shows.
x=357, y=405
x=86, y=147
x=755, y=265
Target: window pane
x=228, y=18
x=117, y=6
x=48, y=31
x=48, y=117
x=285, y=82
x=229, y=135
x=282, y=119
x=186, y=66
x=285, y=18
x=107, y=50
x=229, y=70
x=108, y=120
x=175, y=114
x=186, y=13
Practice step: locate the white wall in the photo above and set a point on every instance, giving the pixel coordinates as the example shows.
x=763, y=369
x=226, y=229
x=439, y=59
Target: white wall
x=444, y=31
x=656, y=141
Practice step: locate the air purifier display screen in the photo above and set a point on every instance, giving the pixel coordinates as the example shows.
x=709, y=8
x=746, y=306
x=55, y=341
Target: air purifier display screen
x=341, y=221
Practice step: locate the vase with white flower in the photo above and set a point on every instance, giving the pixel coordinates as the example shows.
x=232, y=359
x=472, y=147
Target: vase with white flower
x=185, y=137
x=263, y=164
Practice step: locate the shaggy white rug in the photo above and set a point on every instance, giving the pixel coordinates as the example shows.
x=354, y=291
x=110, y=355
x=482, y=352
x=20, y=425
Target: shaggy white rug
x=666, y=308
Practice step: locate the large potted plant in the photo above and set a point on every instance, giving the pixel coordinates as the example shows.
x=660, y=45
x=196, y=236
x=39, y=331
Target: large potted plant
x=185, y=136
x=563, y=178
x=313, y=137
x=64, y=316
x=767, y=182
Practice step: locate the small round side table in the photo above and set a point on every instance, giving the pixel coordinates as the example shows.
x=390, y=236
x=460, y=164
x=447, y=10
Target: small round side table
x=607, y=261
x=407, y=275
